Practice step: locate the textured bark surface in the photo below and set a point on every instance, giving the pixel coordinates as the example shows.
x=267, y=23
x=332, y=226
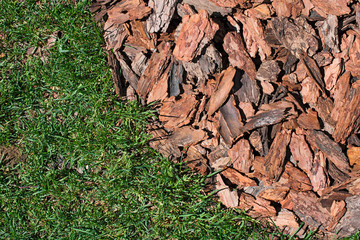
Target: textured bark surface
x=267, y=93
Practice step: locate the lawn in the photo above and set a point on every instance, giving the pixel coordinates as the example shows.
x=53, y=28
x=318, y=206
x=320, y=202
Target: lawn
x=75, y=163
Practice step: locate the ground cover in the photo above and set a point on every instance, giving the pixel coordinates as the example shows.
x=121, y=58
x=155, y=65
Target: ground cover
x=74, y=159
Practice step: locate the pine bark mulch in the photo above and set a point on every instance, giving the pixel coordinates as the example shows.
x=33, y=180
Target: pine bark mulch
x=268, y=92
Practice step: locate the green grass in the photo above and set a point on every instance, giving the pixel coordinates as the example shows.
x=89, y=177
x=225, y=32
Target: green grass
x=87, y=171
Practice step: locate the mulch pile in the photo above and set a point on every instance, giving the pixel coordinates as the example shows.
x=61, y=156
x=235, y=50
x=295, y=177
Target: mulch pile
x=268, y=92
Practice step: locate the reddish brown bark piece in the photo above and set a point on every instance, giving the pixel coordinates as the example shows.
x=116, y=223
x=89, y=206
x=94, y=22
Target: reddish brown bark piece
x=288, y=8
x=208, y=6
x=195, y=159
x=295, y=179
x=275, y=159
x=176, y=113
x=262, y=11
x=238, y=56
x=259, y=165
x=286, y=221
x=324, y=106
x=314, y=167
x=161, y=143
x=308, y=209
x=332, y=72
x=331, y=149
x=225, y=84
x=334, y=7
x=349, y=118
x=241, y=156
x=275, y=194
x=230, y=3
x=353, y=64
x=126, y=10
x=255, y=140
x=158, y=65
x=341, y=93
x=309, y=91
x=139, y=38
x=301, y=152
x=256, y=207
x=227, y=197
x=337, y=211
x=313, y=71
x=309, y=120
x=237, y=178
x=230, y=121
x=323, y=58
x=353, y=154
x=196, y=31
x=160, y=18
x=254, y=36
x=318, y=175
x=187, y=136
x=160, y=89
x=268, y=71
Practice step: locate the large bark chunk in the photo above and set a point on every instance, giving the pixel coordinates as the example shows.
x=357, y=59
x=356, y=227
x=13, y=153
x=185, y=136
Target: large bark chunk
x=241, y=156
x=237, y=178
x=158, y=65
x=296, y=36
x=330, y=148
x=227, y=197
x=349, y=118
x=196, y=32
x=208, y=6
x=208, y=63
x=225, y=84
x=125, y=11
x=275, y=160
x=238, y=56
x=254, y=36
x=230, y=121
x=256, y=207
x=329, y=29
x=334, y=7
x=288, y=8
x=177, y=113
x=161, y=16
x=308, y=209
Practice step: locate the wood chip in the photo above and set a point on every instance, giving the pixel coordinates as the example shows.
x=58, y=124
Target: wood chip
x=242, y=156
x=159, y=19
x=238, y=56
x=237, y=178
x=274, y=161
x=225, y=84
x=227, y=197
x=308, y=209
x=334, y=7
x=196, y=32
x=157, y=66
x=176, y=113
x=331, y=149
